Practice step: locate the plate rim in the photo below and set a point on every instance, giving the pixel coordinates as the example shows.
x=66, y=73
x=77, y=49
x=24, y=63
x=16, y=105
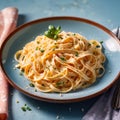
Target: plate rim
x=40, y=20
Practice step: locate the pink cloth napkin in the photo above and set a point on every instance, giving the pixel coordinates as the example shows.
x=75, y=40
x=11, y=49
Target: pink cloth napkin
x=8, y=20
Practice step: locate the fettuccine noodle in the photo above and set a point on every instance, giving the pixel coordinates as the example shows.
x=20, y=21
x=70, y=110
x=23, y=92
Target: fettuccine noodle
x=71, y=62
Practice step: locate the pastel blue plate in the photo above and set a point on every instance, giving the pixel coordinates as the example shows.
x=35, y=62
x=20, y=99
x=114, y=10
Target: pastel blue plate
x=90, y=29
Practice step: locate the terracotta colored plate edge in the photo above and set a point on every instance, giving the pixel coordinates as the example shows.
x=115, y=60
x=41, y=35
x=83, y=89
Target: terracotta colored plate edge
x=50, y=19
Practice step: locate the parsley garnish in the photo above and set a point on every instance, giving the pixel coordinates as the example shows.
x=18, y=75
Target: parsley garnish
x=37, y=48
x=62, y=58
x=31, y=85
x=35, y=90
x=25, y=108
x=101, y=42
x=42, y=50
x=53, y=32
x=60, y=83
x=97, y=46
x=76, y=54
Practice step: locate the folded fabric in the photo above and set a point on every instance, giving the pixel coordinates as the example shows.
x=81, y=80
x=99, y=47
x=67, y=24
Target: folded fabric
x=8, y=20
x=102, y=109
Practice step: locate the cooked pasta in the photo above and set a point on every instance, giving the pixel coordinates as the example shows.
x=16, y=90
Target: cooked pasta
x=71, y=62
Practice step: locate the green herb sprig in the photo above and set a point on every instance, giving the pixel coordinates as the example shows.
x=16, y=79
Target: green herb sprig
x=53, y=32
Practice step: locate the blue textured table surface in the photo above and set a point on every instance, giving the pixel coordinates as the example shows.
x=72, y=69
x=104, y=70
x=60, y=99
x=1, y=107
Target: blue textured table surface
x=106, y=12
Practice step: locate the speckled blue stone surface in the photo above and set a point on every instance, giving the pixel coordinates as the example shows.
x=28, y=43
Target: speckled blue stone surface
x=106, y=12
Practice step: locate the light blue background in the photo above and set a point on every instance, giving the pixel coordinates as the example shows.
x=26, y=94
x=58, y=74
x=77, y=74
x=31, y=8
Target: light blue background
x=106, y=12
